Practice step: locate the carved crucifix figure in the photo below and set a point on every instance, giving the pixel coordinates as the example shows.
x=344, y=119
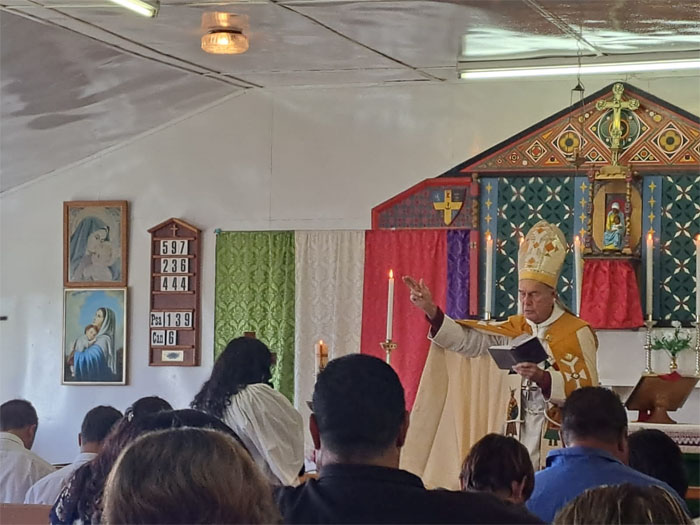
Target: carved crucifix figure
x=617, y=105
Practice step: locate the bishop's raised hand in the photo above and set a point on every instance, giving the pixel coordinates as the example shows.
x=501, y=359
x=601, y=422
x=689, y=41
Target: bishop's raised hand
x=421, y=296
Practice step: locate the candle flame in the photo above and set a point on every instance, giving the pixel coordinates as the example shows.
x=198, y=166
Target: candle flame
x=577, y=239
x=320, y=341
x=522, y=239
x=391, y=274
x=650, y=236
x=488, y=236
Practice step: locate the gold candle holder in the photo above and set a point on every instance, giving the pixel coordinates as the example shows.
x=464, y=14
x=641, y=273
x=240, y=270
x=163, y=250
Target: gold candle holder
x=649, y=323
x=388, y=346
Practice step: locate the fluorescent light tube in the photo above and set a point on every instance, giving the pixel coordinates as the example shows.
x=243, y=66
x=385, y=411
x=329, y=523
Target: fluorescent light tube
x=140, y=7
x=585, y=69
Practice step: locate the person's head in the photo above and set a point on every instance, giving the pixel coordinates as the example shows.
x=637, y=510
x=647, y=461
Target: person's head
x=18, y=417
x=97, y=423
x=89, y=480
x=615, y=207
x=359, y=412
x=594, y=416
x=657, y=455
x=99, y=318
x=537, y=300
x=187, y=475
x=91, y=331
x=245, y=361
x=501, y=465
x=96, y=238
x=622, y=504
x=147, y=405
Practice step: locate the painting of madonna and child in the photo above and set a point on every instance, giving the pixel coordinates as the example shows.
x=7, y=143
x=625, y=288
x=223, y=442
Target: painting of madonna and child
x=94, y=336
x=95, y=245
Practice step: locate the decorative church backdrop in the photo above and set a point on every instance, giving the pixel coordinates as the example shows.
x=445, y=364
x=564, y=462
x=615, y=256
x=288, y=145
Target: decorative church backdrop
x=541, y=173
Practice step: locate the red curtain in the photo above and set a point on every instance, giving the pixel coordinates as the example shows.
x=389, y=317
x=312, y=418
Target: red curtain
x=610, y=295
x=420, y=254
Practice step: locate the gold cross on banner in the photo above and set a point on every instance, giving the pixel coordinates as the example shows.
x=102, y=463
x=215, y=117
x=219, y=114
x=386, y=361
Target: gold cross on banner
x=447, y=206
x=617, y=105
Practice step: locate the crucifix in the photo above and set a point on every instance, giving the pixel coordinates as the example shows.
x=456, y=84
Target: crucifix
x=447, y=207
x=173, y=228
x=617, y=105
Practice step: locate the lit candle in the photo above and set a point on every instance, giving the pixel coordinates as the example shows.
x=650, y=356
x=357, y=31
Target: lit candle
x=321, y=356
x=390, y=306
x=520, y=304
x=578, y=268
x=489, y=274
x=697, y=278
x=650, y=275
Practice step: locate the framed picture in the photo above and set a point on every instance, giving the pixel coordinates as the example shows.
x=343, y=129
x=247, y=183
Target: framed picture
x=94, y=337
x=95, y=244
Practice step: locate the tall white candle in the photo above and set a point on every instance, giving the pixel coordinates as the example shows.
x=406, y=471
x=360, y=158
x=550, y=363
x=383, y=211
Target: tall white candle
x=390, y=306
x=520, y=303
x=578, y=269
x=489, y=274
x=697, y=278
x=650, y=276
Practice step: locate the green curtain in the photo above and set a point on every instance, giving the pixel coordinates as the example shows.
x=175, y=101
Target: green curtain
x=255, y=293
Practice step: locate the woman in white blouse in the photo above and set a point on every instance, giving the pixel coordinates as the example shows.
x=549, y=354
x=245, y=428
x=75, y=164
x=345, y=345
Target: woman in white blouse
x=240, y=394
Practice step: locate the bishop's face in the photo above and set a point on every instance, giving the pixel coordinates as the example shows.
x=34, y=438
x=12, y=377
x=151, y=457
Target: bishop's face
x=537, y=300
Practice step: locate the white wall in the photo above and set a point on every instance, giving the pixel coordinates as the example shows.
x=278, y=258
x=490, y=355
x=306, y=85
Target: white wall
x=279, y=159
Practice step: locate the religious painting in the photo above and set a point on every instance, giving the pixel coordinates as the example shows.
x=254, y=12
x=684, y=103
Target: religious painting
x=614, y=232
x=94, y=337
x=95, y=244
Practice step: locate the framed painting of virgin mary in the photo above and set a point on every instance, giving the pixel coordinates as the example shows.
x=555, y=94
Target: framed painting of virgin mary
x=95, y=244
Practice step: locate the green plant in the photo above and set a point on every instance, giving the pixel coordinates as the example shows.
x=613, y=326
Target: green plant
x=674, y=344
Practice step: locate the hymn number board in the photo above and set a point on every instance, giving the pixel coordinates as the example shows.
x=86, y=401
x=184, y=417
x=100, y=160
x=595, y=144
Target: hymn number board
x=174, y=313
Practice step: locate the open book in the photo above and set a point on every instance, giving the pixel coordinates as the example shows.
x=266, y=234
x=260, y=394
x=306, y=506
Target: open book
x=523, y=349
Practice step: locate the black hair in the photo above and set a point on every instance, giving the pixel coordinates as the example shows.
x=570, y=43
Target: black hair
x=657, y=455
x=147, y=405
x=494, y=462
x=593, y=412
x=359, y=405
x=16, y=414
x=245, y=361
x=98, y=422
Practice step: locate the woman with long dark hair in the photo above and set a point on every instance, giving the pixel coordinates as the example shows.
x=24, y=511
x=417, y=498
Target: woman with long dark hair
x=239, y=392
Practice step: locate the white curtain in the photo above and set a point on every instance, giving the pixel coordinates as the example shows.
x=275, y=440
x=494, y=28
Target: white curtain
x=328, y=303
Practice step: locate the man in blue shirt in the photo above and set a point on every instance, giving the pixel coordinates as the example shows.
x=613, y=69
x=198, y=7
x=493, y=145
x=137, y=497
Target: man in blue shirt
x=594, y=431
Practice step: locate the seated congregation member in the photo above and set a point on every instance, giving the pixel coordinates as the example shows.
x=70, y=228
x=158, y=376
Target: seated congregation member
x=358, y=427
x=657, y=455
x=622, y=504
x=240, y=394
x=81, y=499
x=187, y=475
x=594, y=430
x=96, y=425
x=500, y=465
x=147, y=405
x=20, y=468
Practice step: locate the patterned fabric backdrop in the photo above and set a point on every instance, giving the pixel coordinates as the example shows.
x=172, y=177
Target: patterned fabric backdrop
x=522, y=202
x=680, y=223
x=254, y=291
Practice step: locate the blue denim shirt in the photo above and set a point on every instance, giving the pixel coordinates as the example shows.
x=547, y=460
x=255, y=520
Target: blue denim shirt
x=571, y=471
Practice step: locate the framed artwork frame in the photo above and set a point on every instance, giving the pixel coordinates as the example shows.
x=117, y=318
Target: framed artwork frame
x=94, y=349
x=95, y=244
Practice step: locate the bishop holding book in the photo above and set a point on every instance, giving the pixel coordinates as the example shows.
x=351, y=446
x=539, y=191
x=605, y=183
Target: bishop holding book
x=538, y=389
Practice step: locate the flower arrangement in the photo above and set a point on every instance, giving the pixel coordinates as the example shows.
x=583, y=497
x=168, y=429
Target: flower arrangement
x=675, y=344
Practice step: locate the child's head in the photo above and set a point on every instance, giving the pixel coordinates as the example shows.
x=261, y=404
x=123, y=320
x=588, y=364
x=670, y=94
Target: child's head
x=91, y=331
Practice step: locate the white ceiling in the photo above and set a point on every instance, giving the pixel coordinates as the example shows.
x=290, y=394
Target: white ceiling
x=97, y=75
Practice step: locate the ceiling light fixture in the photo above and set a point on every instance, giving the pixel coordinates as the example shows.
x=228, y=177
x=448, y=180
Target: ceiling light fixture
x=585, y=69
x=225, y=42
x=149, y=9
x=224, y=33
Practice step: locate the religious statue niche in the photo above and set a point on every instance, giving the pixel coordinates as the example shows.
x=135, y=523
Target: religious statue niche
x=615, y=216
x=174, y=308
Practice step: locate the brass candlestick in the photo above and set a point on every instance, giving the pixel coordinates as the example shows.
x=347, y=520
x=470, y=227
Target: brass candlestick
x=388, y=346
x=649, y=323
